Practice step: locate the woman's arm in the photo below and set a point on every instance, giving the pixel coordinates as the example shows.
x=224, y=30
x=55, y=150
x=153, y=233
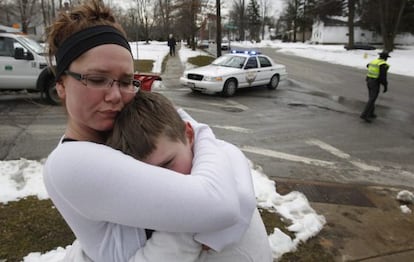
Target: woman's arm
x=103, y=184
x=217, y=240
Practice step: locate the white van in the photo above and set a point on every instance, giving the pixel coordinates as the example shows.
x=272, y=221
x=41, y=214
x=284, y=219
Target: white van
x=23, y=67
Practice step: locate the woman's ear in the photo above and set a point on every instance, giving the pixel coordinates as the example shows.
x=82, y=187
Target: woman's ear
x=189, y=133
x=60, y=89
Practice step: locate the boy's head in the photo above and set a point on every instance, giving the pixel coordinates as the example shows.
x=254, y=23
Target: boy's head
x=150, y=129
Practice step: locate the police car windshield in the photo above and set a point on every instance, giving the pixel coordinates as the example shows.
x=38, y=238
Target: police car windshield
x=33, y=45
x=230, y=61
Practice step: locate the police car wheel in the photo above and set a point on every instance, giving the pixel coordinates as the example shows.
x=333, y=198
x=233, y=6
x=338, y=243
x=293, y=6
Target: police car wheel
x=274, y=82
x=229, y=88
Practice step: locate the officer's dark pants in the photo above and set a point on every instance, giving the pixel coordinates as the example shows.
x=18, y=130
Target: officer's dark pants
x=373, y=91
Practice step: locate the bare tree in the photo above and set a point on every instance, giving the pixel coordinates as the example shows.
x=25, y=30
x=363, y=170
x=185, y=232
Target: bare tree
x=187, y=13
x=218, y=25
x=291, y=19
x=351, y=15
x=238, y=16
x=265, y=6
x=26, y=12
x=7, y=12
x=163, y=12
x=44, y=13
x=384, y=16
x=391, y=13
x=144, y=10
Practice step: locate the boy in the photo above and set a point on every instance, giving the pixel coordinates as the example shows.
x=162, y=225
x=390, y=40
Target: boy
x=150, y=129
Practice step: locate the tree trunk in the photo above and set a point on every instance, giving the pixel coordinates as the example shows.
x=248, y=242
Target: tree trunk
x=23, y=15
x=295, y=21
x=45, y=16
x=304, y=22
x=146, y=30
x=242, y=20
x=218, y=23
x=389, y=23
x=351, y=14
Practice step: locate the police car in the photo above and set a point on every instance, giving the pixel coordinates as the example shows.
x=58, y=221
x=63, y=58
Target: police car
x=238, y=69
x=23, y=66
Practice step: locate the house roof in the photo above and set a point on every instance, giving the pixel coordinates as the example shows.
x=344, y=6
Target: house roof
x=338, y=20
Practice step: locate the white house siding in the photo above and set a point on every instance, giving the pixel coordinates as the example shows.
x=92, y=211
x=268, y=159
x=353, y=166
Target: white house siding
x=404, y=39
x=338, y=34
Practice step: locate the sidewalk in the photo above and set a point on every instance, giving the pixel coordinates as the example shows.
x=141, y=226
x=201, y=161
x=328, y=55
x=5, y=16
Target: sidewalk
x=173, y=70
x=364, y=223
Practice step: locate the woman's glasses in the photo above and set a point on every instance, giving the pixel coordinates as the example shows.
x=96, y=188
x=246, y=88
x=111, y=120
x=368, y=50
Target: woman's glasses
x=127, y=85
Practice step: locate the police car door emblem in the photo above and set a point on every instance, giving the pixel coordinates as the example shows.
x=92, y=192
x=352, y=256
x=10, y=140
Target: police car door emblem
x=250, y=77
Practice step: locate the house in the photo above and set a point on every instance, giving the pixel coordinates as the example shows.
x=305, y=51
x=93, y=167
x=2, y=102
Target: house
x=334, y=30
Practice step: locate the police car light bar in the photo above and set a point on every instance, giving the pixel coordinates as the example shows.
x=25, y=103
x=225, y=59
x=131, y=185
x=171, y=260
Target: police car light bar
x=247, y=52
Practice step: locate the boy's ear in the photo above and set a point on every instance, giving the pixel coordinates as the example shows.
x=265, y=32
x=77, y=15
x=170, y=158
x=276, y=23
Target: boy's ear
x=189, y=133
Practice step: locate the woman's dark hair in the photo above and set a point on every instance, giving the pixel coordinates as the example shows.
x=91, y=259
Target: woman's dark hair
x=90, y=14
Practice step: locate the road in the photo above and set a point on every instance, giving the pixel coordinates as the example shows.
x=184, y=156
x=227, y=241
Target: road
x=299, y=131
x=348, y=83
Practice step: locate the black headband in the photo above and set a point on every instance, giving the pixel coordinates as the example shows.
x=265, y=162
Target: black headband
x=82, y=41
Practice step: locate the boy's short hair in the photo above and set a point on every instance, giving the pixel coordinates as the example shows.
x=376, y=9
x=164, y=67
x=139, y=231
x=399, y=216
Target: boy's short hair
x=142, y=121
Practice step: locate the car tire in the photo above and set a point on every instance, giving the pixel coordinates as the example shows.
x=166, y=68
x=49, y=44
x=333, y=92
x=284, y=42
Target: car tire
x=274, y=82
x=230, y=87
x=51, y=93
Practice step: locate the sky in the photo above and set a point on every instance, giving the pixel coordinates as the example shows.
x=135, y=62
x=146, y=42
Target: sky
x=275, y=7
x=23, y=177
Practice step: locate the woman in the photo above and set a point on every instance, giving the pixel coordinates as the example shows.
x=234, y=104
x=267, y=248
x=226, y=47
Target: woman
x=106, y=197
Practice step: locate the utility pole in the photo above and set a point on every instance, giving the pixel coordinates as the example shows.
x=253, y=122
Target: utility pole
x=218, y=24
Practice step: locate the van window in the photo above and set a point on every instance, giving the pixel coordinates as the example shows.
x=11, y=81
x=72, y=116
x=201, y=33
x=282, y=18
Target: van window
x=6, y=46
x=32, y=45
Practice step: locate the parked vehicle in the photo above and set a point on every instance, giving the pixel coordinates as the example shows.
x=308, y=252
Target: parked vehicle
x=203, y=44
x=238, y=69
x=225, y=45
x=23, y=67
x=360, y=46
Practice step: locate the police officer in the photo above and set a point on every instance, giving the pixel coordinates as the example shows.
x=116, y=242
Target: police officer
x=377, y=75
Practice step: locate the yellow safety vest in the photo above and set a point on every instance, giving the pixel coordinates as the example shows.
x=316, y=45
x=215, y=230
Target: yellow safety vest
x=374, y=67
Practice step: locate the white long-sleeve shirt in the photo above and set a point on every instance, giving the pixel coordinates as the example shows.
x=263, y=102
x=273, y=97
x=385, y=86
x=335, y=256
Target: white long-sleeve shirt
x=182, y=247
x=108, y=198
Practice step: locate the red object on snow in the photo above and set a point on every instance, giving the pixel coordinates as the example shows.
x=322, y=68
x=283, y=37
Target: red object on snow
x=146, y=80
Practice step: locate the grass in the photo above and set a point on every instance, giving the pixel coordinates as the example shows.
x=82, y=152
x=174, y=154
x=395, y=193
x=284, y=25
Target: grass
x=143, y=65
x=32, y=225
x=146, y=65
x=200, y=60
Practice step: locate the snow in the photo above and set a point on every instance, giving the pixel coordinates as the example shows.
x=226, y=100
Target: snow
x=401, y=60
x=21, y=178
x=405, y=209
x=406, y=196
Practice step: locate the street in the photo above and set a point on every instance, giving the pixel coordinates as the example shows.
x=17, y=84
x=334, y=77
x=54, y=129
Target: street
x=305, y=137
x=299, y=131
